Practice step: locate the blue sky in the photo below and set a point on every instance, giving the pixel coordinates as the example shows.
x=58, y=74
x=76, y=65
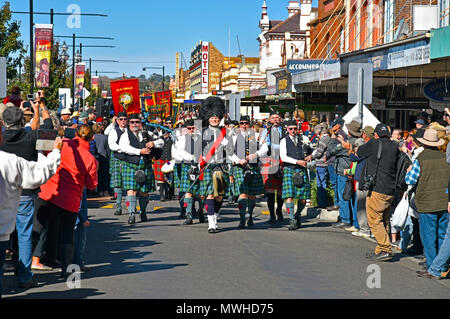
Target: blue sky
x=154, y=30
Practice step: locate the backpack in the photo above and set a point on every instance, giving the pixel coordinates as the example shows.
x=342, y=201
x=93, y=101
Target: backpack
x=402, y=169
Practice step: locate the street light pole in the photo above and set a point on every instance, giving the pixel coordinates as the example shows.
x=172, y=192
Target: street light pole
x=73, y=73
x=31, y=49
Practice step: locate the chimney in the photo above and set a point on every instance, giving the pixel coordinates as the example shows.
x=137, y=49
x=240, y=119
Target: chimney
x=305, y=16
x=264, y=23
x=293, y=8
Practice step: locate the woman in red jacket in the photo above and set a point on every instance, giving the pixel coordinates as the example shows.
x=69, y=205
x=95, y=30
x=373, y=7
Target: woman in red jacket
x=60, y=197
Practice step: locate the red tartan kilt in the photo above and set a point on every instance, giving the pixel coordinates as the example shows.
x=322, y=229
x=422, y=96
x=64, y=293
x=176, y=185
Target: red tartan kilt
x=271, y=181
x=157, y=165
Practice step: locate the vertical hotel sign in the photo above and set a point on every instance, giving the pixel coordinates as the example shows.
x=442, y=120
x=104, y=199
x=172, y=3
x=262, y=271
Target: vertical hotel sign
x=43, y=34
x=205, y=67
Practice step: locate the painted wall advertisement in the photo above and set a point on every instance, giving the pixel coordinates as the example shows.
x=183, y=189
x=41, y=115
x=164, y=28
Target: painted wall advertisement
x=43, y=34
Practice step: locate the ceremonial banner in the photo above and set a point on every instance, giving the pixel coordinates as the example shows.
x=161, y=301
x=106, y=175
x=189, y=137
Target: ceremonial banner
x=43, y=34
x=79, y=79
x=125, y=96
x=94, y=84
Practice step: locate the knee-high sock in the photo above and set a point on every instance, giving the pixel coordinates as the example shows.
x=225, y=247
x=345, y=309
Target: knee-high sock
x=181, y=194
x=242, y=204
x=280, y=202
x=201, y=205
x=251, y=206
x=300, y=208
x=143, y=202
x=188, y=203
x=209, y=205
x=131, y=204
x=290, y=209
x=271, y=204
x=118, y=192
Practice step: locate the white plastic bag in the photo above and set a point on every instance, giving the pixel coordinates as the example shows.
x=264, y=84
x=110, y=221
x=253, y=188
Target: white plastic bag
x=401, y=213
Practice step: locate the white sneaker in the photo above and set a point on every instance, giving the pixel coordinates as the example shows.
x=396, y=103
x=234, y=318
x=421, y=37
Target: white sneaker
x=361, y=233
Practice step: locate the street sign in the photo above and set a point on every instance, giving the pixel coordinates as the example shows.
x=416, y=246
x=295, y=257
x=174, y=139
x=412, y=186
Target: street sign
x=2, y=77
x=86, y=93
x=354, y=85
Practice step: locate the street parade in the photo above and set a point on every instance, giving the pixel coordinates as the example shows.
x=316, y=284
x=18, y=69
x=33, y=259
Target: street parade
x=310, y=171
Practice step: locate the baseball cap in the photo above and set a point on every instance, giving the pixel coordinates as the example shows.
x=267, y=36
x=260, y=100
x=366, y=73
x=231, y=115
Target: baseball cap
x=84, y=115
x=420, y=121
x=382, y=130
x=13, y=116
x=337, y=121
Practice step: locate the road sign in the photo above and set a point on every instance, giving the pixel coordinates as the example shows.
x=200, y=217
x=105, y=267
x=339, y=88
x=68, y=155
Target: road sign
x=354, y=85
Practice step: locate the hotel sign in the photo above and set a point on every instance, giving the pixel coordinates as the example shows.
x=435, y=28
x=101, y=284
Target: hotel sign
x=205, y=67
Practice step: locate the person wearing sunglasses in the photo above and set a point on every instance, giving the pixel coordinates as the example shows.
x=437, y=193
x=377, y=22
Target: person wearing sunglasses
x=245, y=161
x=295, y=155
x=137, y=172
x=114, y=132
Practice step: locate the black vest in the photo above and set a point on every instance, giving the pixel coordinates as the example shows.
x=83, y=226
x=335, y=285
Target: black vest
x=293, y=151
x=134, y=159
x=118, y=155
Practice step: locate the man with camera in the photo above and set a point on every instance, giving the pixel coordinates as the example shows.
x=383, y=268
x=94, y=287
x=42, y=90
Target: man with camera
x=379, y=179
x=136, y=144
x=295, y=156
x=21, y=142
x=245, y=171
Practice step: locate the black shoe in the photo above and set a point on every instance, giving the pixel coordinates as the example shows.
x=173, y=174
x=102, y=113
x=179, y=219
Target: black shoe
x=241, y=224
x=188, y=221
x=381, y=256
x=411, y=252
x=28, y=284
x=212, y=231
x=341, y=225
x=143, y=216
x=292, y=225
x=272, y=220
x=250, y=222
x=280, y=217
x=118, y=211
x=299, y=222
x=201, y=218
x=131, y=219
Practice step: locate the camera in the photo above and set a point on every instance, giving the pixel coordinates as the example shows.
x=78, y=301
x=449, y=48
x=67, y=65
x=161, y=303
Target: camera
x=369, y=182
x=30, y=97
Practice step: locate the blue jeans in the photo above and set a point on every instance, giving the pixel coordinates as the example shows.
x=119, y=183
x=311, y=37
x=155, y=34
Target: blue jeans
x=354, y=209
x=440, y=263
x=433, y=227
x=344, y=206
x=322, y=178
x=406, y=233
x=24, y=227
x=3, y=247
x=333, y=181
x=80, y=233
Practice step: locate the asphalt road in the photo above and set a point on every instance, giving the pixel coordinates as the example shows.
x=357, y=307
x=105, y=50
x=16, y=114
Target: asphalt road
x=165, y=259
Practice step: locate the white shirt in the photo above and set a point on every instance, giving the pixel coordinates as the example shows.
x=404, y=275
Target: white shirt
x=283, y=150
x=112, y=139
x=125, y=147
x=260, y=153
x=16, y=174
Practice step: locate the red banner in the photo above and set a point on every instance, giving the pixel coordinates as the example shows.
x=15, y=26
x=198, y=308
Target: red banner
x=125, y=96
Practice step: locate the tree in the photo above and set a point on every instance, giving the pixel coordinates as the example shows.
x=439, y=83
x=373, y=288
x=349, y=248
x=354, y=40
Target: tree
x=57, y=78
x=10, y=45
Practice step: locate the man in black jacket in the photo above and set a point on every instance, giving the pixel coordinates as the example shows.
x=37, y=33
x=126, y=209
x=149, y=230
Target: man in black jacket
x=381, y=194
x=17, y=140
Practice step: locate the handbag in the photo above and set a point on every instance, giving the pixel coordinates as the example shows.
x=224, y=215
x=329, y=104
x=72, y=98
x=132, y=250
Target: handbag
x=349, y=190
x=298, y=179
x=401, y=213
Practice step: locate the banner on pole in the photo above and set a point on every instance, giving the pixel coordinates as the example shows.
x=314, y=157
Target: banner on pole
x=156, y=105
x=43, y=34
x=80, y=69
x=94, y=84
x=125, y=95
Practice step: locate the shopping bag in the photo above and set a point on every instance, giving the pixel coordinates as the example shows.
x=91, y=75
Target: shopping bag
x=401, y=213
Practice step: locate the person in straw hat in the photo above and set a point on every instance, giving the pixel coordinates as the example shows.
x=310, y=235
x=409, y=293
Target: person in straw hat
x=430, y=174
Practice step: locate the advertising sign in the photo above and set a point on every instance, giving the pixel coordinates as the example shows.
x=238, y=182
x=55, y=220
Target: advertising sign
x=94, y=84
x=437, y=91
x=43, y=44
x=79, y=79
x=205, y=67
x=125, y=95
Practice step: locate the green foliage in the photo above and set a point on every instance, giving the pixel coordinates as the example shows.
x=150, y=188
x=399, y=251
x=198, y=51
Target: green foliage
x=10, y=45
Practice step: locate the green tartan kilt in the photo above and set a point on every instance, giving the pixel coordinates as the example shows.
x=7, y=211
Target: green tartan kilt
x=115, y=171
x=206, y=185
x=290, y=190
x=129, y=180
x=185, y=183
x=240, y=187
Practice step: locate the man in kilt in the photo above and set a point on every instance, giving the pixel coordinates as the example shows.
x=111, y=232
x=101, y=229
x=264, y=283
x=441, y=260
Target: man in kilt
x=185, y=151
x=295, y=155
x=213, y=180
x=161, y=157
x=244, y=158
x=114, y=132
x=271, y=168
x=137, y=170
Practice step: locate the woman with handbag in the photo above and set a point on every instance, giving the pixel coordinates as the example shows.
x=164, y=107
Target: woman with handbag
x=295, y=156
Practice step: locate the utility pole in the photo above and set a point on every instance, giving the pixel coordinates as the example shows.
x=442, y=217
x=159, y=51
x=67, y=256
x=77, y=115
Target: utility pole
x=31, y=49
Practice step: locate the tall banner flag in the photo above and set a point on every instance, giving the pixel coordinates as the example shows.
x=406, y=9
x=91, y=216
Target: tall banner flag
x=43, y=34
x=94, y=84
x=125, y=96
x=80, y=69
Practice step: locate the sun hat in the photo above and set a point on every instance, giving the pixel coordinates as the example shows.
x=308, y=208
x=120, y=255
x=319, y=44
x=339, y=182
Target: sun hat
x=431, y=138
x=354, y=128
